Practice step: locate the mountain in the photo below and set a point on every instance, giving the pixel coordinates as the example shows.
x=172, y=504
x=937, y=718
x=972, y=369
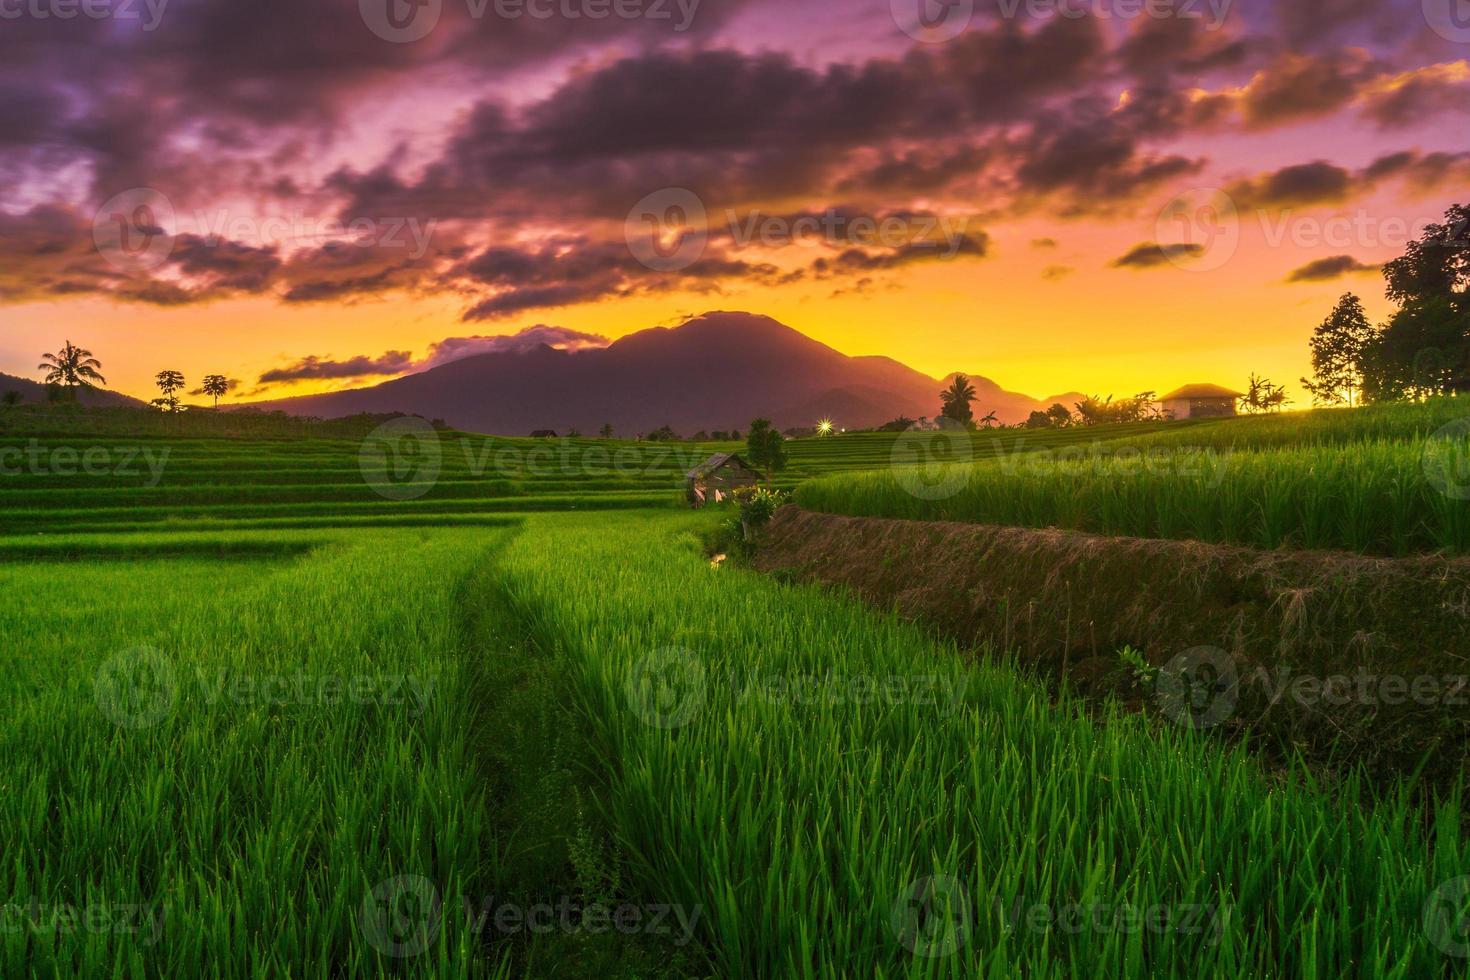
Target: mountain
x=34, y=391
x=716, y=371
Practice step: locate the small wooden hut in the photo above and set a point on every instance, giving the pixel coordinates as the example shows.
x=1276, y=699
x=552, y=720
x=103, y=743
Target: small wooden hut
x=717, y=477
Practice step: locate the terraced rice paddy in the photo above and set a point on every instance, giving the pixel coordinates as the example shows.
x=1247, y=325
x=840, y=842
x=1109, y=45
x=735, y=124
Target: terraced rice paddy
x=1398, y=485
x=267, y=720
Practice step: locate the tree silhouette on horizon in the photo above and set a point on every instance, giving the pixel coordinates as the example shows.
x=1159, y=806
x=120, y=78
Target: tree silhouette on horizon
x=956, y=401
x=216, y=385
x=72, y=366
x=170, y=383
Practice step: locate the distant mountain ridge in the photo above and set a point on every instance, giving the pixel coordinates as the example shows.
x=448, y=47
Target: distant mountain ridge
x=32, y=392
x=716, y=371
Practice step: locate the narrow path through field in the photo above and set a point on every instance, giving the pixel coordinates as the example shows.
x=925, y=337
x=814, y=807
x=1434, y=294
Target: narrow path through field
x=556, y=895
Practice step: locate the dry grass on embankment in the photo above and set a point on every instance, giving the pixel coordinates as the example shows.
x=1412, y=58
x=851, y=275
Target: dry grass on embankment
x=1350, y=659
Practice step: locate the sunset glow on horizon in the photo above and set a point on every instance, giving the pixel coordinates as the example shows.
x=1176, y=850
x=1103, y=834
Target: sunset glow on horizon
x=1061, y=199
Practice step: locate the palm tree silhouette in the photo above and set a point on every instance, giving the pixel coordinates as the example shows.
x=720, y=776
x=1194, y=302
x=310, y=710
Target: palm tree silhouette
x=956, y=400
x=72, y=366
x=989, y=421
x=216, y=385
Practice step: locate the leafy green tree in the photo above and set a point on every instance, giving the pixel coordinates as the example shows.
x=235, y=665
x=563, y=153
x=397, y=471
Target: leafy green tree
x=216, y=385
x=1424, y=348
x=1060, y=417
x=1338, y=345
x=663, y=433
x=765, y=448
x=170, y=383
x=10, y=399
x=73, y=367
x=955, y=401
x=1436, y=266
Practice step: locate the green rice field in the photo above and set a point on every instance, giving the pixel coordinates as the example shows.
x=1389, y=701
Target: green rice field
x=300, y=706
x=1398, y=484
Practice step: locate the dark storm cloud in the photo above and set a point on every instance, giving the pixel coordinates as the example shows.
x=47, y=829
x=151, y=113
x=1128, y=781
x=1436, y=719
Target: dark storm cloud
x=1066, y=116
x=1324, y=183
x=1332, y=267
x=526, y=339
x=1420, y=97
x=315, y=368
x=1298, y=86
x=1318, y=182
x=1147, y=255
x=737, y=127
x=1161, y=47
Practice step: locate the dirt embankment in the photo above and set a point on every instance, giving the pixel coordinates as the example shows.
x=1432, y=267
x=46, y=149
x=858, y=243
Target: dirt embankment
x=1345, y=657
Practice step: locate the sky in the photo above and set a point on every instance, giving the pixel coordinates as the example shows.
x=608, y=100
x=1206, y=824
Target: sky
x=1108, y=196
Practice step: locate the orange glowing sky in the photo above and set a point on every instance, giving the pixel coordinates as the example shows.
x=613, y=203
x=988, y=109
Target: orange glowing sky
x=524, y=149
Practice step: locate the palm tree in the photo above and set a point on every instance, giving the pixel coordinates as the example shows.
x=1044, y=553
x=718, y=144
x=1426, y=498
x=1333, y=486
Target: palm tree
x=170, y=383
x=216, y=385
x=989, y=421
x=956, y=400
x=72, y=366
